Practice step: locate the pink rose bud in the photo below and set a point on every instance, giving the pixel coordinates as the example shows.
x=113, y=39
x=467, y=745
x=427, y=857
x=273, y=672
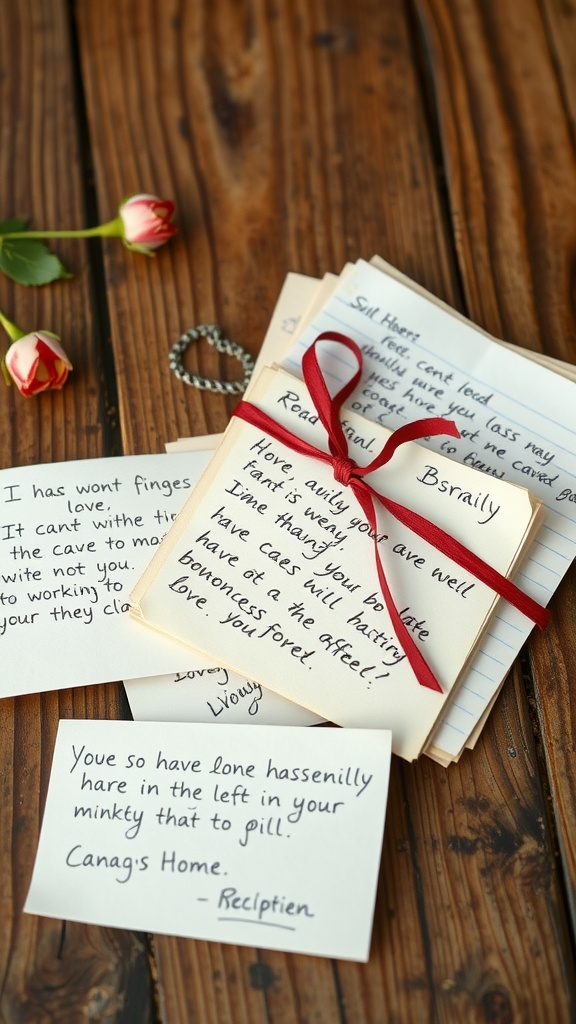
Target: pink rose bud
x=146, y=221
x=37, y=362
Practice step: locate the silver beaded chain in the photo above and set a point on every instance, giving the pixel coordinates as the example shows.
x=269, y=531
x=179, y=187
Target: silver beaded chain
x=214, y=336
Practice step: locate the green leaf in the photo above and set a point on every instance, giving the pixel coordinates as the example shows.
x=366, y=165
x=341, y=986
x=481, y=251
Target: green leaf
x=29, y=261
x=14, y=224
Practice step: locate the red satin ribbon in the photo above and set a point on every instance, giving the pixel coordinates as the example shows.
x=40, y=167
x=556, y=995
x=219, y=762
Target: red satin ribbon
x=347, y=473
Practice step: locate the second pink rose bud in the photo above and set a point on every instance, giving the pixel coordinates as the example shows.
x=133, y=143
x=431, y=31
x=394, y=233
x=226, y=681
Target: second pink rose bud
x=146, y=220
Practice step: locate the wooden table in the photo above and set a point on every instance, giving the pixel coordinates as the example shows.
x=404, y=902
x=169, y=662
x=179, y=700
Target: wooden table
x=295, y=135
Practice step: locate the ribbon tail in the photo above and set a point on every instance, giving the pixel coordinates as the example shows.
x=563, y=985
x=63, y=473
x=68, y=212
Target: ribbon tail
x=472, y=563
x=418, y=663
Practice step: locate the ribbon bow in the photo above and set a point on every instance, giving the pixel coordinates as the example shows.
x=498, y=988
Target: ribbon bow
x=349, y=474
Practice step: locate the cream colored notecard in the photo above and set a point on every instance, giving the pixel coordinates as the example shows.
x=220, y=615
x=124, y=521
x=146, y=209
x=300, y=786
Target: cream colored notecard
x=265, y=837
x=205, y=692
x=269, y=569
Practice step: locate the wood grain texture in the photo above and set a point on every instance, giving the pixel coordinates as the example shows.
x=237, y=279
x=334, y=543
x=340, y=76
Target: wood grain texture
x=50, y=971
x=510, y=167
x=553, y=653
x=509, y=148
x=259, y=120
x=553, y=660
x=559, y=17
x=498, y=930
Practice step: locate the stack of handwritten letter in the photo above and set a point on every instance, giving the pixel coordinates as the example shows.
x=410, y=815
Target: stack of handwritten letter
x=369, y=544
x=513, y=412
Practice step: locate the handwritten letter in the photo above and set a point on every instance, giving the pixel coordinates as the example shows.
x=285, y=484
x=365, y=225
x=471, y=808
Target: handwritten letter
x=270, y=569
x=222, y=834
x=516, y=420
x=74, y=537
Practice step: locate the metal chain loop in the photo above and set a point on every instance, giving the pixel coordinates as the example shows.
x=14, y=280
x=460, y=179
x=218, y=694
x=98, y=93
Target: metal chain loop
x=213, y=335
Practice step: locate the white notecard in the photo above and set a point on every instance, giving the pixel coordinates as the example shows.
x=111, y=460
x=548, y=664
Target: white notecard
x=259, y=837
x=74, y=538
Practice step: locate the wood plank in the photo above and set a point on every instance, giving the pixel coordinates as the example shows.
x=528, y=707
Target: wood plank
x=513, y=185
x=553, y=660
x=553, y=653
x=499, y=942
x=510, y=168
x=226, y=128
x=49, y=971
x=559, y=18
x=293, y=137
